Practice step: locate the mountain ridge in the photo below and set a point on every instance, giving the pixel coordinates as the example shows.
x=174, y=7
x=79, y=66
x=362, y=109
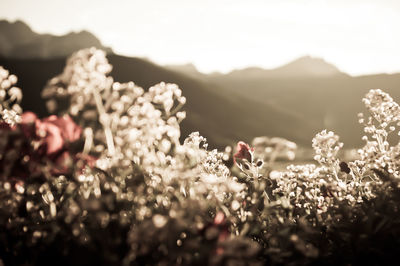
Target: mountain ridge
x=18, y=40
x=305, y=66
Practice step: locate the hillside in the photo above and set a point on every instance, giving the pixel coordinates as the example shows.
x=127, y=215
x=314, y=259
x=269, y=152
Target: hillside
x=221, y=118
x=326, y=102
x=17, y=40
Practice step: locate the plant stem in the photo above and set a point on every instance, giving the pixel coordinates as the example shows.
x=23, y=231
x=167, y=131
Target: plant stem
x=105, y=123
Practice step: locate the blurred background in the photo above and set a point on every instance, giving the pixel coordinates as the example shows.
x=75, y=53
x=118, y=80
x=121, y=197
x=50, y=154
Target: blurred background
x=248, y=68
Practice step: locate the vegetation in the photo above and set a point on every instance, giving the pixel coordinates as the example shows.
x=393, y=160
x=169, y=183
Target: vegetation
x=106, y=180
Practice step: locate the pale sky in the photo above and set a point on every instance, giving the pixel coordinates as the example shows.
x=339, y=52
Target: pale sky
x=358, y=36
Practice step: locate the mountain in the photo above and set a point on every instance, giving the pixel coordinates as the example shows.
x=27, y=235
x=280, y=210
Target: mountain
x=311, y=90
x=330, y=102
x=223, y=119
x=187, y=69
x=306, y=66
x=17, y=40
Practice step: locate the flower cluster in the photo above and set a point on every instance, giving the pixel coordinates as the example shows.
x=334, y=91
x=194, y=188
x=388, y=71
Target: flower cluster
x=326, y=146
x=383, y=120
x=381, y=107
x=305, y=198
x=120, y=120
x=10, y=98
x=35, y=147
x=142, y=174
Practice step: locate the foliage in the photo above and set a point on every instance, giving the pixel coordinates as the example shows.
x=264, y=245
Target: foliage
x=105, y=180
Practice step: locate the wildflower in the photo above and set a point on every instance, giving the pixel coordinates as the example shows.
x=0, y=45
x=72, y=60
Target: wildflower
x=69, y=130
x=10, y=96
x=326, y=146
x=243, y=152
x=10, y=117
x=38, y=142
x=51, y=136
x=382, y=107
x=28, y=117
x=27, y=124
x=53, y=131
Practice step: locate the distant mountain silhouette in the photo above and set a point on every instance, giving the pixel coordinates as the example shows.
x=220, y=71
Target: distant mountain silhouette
x=305, y=66
x=302, y=67
x=187, y=69
x=17, y=40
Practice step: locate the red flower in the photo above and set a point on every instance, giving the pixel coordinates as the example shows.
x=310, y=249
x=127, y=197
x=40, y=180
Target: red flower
x=243, y=152
x=58, y=131
x=51, y=135
x=38, y=142
x=28, y=124
x=69, y=130
x=28, y=117
x=53, y=131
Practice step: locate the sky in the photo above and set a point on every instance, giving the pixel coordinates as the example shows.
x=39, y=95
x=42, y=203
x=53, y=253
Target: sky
x=358, y=36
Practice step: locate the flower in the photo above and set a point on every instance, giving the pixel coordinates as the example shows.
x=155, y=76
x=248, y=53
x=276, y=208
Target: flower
x=27, y=125
x=33, y=143
x=28, y=117
x=68, y=129
x=243, y=152
x=52, y=136
x=326, y=146
x=53, y=131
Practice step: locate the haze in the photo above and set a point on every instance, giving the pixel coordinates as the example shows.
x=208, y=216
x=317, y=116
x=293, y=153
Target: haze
x=359, y=37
